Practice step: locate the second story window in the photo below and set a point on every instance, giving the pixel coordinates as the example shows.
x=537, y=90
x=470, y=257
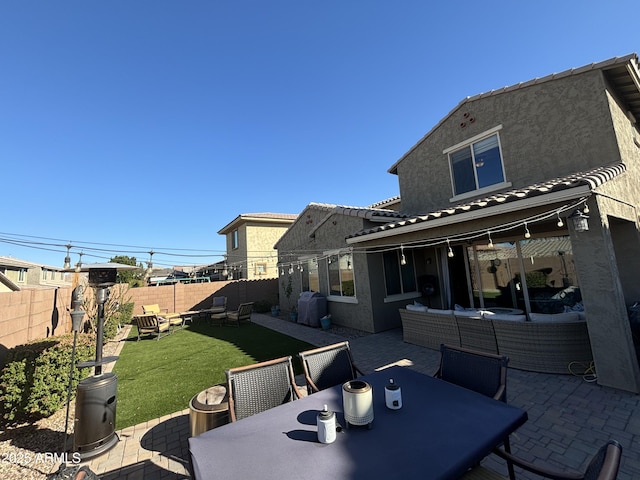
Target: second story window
x=476, y=165
x=234, y=239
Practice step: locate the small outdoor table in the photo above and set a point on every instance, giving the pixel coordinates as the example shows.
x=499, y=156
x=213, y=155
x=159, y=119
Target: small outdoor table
x=188, y=316
x=440, y=431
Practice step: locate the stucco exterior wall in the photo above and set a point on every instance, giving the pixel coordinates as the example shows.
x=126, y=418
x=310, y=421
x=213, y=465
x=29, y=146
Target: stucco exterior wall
x=328, y=235
x=548, y=130
x=260, y=240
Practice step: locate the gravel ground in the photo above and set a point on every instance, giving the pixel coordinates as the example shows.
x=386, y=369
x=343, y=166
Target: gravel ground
x=31, y=451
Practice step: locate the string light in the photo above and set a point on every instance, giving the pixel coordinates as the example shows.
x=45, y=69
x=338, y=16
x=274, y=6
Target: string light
x=560, y=222
x=403, y=260
x=67, y=259
x=79, y=264
x=467, y=237
x=149, y=270
x=586, y=208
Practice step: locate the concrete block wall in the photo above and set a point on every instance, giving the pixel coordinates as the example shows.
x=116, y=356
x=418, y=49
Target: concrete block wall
x=36, y=314
x=29, y=315
x=197, y=296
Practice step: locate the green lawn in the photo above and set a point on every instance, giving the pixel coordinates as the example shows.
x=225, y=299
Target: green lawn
x=156, y=378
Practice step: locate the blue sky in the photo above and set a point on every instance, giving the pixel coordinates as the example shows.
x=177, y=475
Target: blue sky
x=131, y=126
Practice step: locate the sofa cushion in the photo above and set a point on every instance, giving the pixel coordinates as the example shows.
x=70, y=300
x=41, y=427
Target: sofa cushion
x=467, y=313
x=441, y=312
x=504, y=316
x=416, y=308
x=555, y=317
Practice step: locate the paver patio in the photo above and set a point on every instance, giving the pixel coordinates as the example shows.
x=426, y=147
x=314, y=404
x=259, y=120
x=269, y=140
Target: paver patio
x=569, y=417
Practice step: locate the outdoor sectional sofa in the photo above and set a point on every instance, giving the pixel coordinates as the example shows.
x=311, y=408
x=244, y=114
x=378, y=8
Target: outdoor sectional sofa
x=543, y=343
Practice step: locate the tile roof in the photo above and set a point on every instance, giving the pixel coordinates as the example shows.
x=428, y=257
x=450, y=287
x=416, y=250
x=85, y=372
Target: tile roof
x=265, y=217
x=277, y=216
x=385, y=202
x=590, y=178
x=372, y=214
x=14, y=262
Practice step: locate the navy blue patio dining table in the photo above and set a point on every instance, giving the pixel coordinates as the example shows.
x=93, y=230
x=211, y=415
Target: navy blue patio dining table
x=440, y=431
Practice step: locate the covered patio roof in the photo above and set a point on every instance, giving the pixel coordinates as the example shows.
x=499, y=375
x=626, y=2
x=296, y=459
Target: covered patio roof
x=556, y=190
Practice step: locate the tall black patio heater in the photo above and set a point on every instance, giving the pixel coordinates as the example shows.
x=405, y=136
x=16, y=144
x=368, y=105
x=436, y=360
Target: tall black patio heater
x=95, y=415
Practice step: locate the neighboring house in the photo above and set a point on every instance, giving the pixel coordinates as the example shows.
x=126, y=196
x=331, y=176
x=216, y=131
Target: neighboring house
x=491, y=198
x=24, y=274
x=7, y=285
x=250, y=245
x=313, y=253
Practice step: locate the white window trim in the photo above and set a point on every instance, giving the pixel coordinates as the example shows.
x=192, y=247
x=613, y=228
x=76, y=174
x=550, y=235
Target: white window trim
x=402, y=296
x=466, y=143
x=341, y=299
x=480, y=191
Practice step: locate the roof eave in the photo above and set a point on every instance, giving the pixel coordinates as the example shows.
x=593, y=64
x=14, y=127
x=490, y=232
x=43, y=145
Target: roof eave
x=527, y=203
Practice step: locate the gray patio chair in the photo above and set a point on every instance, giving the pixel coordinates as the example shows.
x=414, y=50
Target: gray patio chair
x=327, y=366
x=604, y=465
x=255, y=388
x=482, y=372
x=243, y=314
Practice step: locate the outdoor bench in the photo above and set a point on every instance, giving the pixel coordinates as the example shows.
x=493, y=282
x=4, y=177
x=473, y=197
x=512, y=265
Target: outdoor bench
x=547, y=345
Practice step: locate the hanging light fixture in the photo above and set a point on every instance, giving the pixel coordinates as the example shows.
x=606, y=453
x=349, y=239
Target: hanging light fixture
x=79, y=264
x=580, y=221
x=450, y=253
x=586, y=208
x=527, y=233
x=67, y=259
x=560, y=222
x=490, y=245
x=403, y=260
x=149, y=269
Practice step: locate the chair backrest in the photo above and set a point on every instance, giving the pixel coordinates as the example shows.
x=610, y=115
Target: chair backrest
x=219, y=302
x=255, y=388
x=485, y=373
x=327, y=366
x=244, y=310
x=155, y=308
x=147, y=321
x=605, y=464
